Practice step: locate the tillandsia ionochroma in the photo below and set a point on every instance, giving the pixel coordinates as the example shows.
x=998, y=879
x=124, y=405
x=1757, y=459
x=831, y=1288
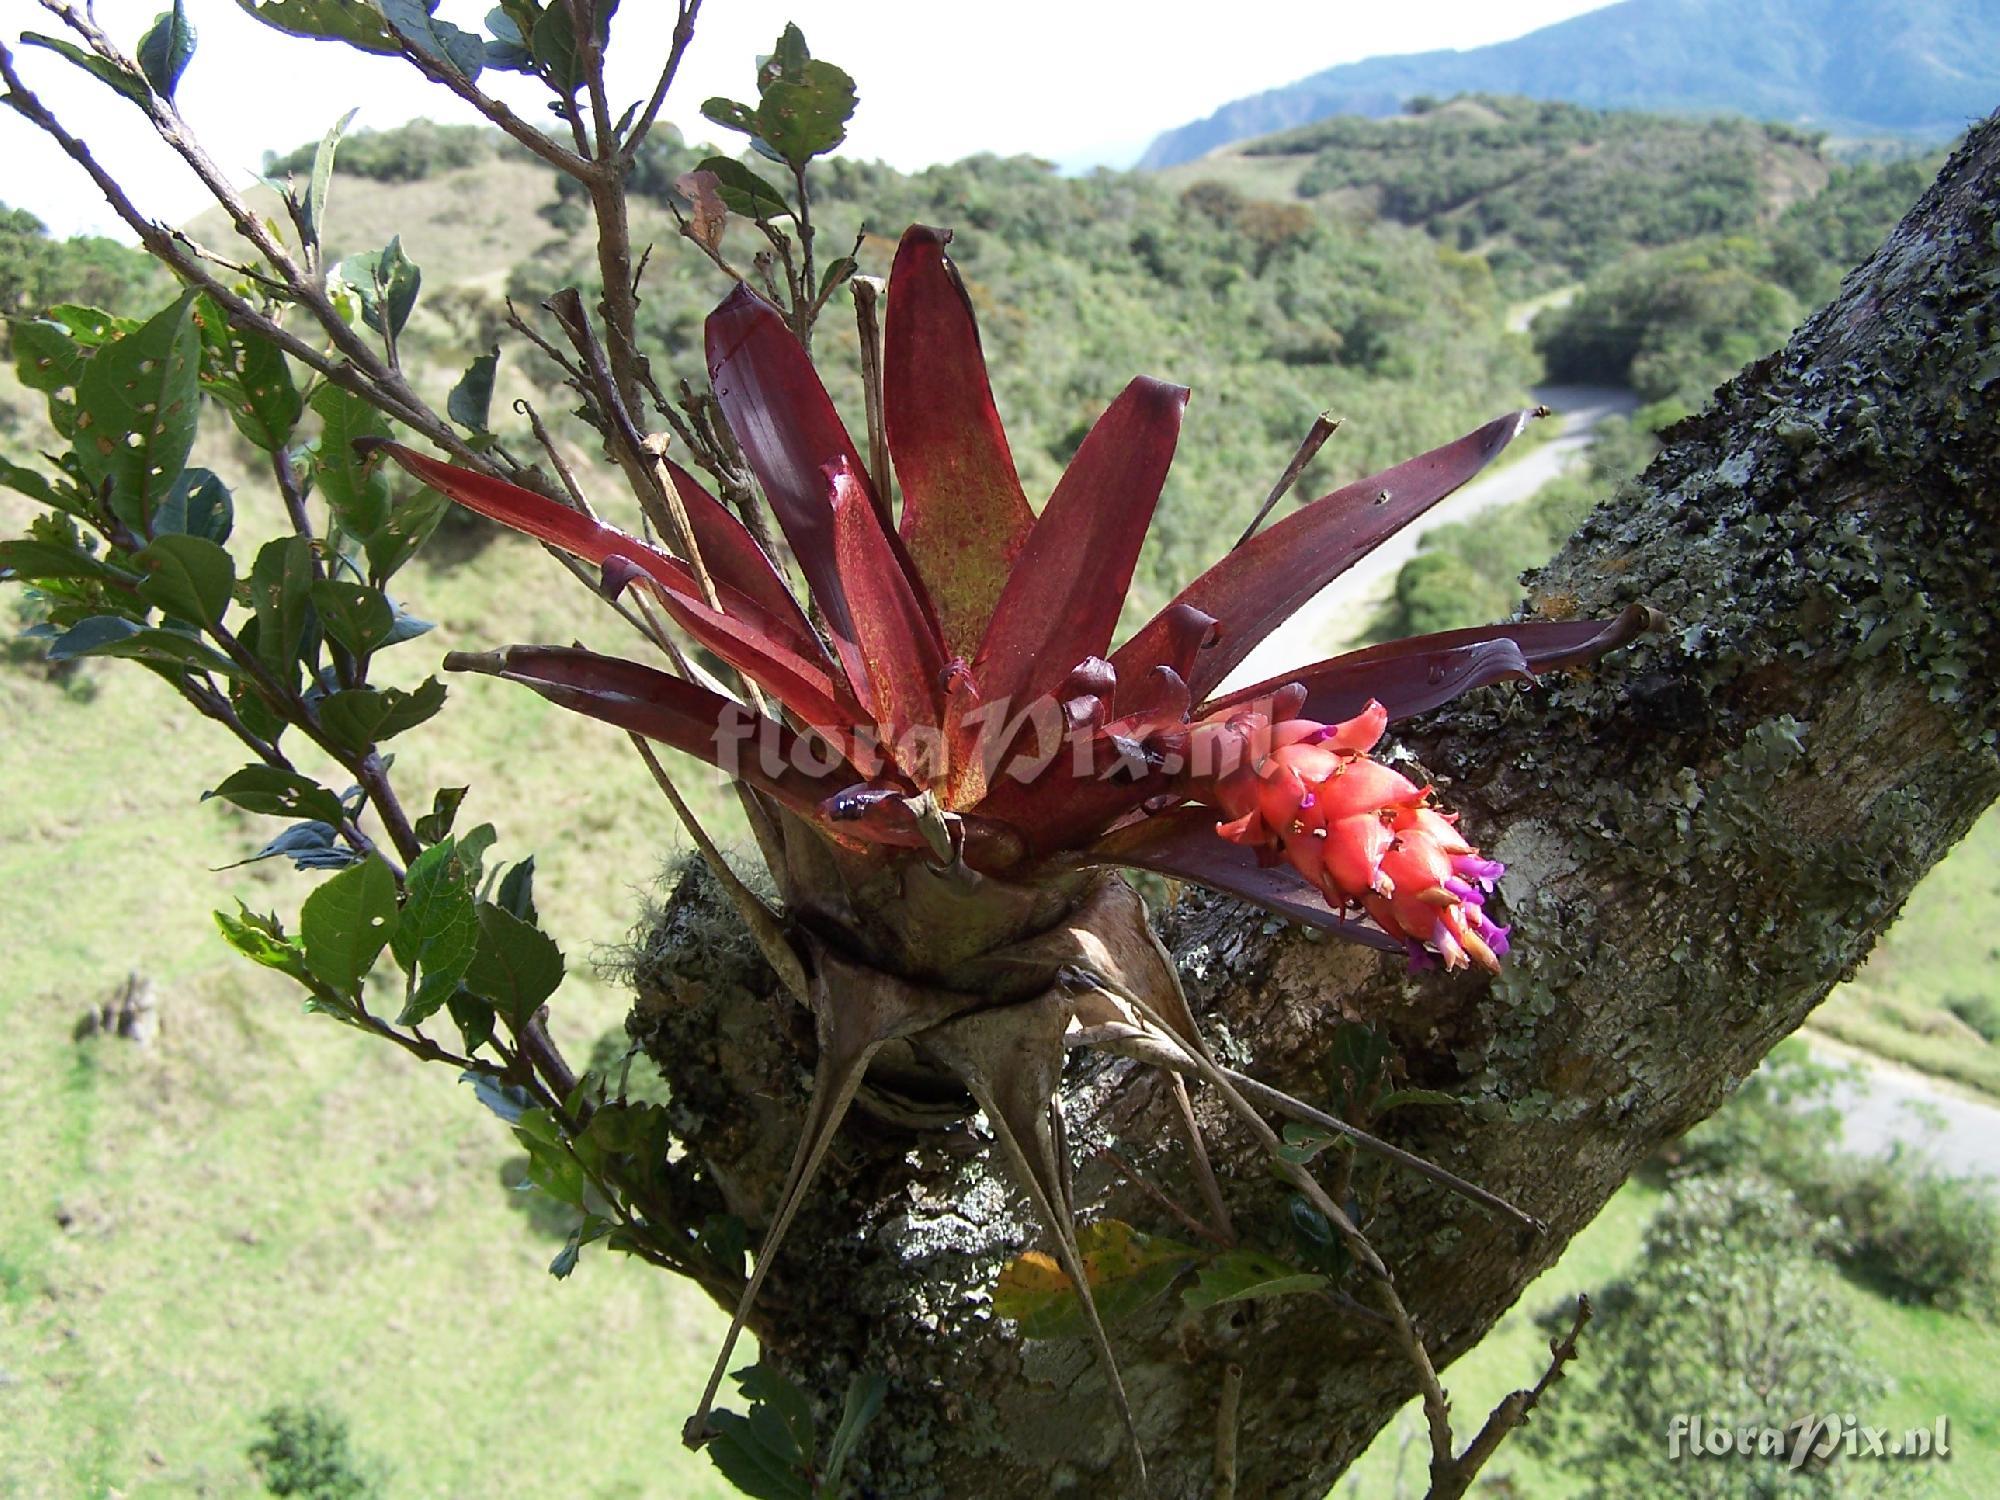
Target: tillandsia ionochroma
x=951, y=757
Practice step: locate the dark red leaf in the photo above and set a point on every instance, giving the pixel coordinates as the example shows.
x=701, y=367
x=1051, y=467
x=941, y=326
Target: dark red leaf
x=801, y=685
x=964, y=516
x=1263, y=582
x=895, y=650
x=764, y=613
x=789, y=431
x=525, y=511
x=1420, y=673
x=753, y=749
x=1061, y=604
x=734, y=559
x=1411, y=683
x=1184, y=845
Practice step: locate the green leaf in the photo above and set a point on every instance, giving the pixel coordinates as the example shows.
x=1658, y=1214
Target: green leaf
x=166, y=50
x=1241, y=1274
x=743, y=192
x=473, y=846
x=437, y=933
x=355, y=22
x=280, y=793
x=517, y=966
x=262, y=399
x=1304, y=1142
x=473, y=1017
x=1319, y=1247
x=47, y=356
x=516, y=895
x=33, y=484
x=1125, y=1269
x=280, y=591
x=322, y=176
x=357, y=718
x=346, y=922
x=311, y=845
x=263, y=941
x=471, y=400
x=837, y=272
x=407, y=627
x=353, y=614
x=440, y=41
x=435, y=825
x=507, y=48
x=40, y=559
x=787, y=60
x=507, y=1100
x=128, y=83
x=551, y=38
x=137, y=403
x=188, y=577
x=590, y=1227
x=807, y=118
x=409, y=525
x=386, y=282
x=91, y=327
x=550, y=1165
x=744, y=1453
x=248, y=702
x=731, y=115
x=113, y=635
x=357, y=491
x=865, y=1390
x=552, y=41
x=767, y=1386
x=198, y=505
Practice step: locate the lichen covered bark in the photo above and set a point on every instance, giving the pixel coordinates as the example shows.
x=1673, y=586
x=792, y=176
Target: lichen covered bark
x=1703, y=837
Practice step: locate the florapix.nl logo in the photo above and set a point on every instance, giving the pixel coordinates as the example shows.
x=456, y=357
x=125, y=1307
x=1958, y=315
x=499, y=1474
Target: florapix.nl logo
x=1810, y=1442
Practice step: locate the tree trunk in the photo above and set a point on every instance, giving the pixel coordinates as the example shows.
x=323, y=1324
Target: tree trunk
x=1702, y=838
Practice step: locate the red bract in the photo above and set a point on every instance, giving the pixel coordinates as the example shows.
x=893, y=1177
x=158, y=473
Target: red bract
x=965, y=668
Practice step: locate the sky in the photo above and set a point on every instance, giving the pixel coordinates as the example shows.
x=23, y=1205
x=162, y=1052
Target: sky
x=1081, y=82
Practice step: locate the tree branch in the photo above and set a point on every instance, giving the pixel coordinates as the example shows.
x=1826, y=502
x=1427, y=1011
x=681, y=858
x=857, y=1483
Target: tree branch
x=1703, y=836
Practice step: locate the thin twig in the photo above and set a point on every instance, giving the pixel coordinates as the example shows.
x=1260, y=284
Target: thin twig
x=1511, y=1413
x=1284, y=1103
x=650, y=111
x=759, y=918
x=363, y=376
x=868, y=324
x=1437, y=1408
x=1159, y=1197
x=1324, y=426
x=1226, y=1422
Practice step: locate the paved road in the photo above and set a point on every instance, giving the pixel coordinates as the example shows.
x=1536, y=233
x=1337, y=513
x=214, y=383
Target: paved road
x=1333, y=617
x=1886, y=1105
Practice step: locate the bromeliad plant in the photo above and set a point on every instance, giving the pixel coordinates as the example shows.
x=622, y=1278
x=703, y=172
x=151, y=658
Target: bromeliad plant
x=948, y=757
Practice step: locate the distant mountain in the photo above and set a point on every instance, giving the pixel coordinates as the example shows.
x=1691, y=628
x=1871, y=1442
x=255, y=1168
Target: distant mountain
x=1918, y=69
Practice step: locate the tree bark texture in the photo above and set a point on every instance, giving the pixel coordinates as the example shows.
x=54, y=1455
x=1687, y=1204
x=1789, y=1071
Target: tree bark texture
x=1702, y=836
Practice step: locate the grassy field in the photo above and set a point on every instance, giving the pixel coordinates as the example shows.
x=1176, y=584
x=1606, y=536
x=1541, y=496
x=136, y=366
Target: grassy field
x=1936, y=967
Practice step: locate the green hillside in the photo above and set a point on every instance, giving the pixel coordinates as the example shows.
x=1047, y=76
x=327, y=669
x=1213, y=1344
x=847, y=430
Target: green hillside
x=1549, y=192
